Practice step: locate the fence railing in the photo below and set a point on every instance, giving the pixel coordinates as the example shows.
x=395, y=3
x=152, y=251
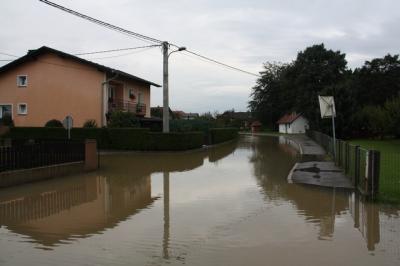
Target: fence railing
x=362, y=166
x=40, y=154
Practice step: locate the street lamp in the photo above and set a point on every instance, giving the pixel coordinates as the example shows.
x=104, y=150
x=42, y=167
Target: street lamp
x=165, y=47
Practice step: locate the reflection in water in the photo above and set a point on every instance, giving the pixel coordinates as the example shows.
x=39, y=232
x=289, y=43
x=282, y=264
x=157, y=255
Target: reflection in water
x=166, y=216
x=366, y=219
x=227, y=205
x=319, y=205
x=54, y=211
x=58, y=210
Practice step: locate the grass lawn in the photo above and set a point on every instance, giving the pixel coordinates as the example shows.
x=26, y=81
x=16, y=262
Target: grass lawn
x=390, y=166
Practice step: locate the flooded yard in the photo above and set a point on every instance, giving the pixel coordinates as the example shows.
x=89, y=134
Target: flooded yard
x=227, y=205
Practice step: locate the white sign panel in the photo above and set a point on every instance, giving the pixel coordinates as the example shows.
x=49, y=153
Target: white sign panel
x=327, y=106
x=68, y=122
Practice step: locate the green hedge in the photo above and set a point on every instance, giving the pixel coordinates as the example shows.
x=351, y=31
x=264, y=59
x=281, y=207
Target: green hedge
x=116, y=138
x=218, y=135
x=128, y=138
x=175, y=141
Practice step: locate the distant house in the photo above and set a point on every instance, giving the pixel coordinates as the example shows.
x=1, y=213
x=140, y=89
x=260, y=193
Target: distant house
x=190, y=116
x=292, y=123
x=49, y=84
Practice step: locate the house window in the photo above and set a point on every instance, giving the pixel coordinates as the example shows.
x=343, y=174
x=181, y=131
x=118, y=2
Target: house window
x=22, y=80
x=5, y=109
x=22, y=109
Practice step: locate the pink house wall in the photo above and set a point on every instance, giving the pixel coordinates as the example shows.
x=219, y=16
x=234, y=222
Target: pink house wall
x=50, y=94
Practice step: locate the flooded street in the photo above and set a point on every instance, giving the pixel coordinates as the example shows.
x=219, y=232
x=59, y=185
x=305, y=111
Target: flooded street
x=228, y=205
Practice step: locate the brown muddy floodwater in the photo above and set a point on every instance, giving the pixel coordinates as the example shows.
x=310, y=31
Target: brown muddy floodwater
x=229, y=205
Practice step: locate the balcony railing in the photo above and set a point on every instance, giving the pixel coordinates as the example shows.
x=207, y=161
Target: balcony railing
x=127, y=106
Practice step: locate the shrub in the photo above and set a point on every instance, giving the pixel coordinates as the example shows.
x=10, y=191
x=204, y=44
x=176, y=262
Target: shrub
x=122, y=119
x=90, y=123
x=53, y=123
x=218, y=135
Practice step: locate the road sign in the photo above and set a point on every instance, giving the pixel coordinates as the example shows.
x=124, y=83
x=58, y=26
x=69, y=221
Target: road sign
x=68, y=123
x=327, y=106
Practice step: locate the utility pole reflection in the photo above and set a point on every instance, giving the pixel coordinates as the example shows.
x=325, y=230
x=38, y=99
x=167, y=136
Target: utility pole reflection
x=166, y=216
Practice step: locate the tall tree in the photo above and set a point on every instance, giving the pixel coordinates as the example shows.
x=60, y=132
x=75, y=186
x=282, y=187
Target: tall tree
x=315, y=70
x=268, y=101
x=378, y=80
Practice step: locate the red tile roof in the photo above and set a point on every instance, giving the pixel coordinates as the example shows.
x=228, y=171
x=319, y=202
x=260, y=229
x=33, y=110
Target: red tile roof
x=288, y=118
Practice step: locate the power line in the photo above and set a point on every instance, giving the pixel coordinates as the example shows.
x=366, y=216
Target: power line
x=8, y=54
x=221, y=64
x=118, y=50
x=102, y=23
x=113, y=56
x=141, y=36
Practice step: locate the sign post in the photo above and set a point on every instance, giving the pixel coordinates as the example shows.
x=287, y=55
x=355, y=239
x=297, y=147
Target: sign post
x=327, y=107
x=68, y=123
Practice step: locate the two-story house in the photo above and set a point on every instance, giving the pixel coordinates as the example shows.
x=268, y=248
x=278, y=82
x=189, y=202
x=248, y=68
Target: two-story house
x=49, y=84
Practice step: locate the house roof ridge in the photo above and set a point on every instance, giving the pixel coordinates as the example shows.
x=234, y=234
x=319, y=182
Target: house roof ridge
x=33, y=53
x=288, y=118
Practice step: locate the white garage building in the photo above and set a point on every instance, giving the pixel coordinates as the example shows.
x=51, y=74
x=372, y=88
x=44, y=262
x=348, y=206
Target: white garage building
x=292, y=124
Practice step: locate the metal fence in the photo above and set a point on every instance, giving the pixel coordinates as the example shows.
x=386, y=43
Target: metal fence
x=40, y=154
x=362, y=166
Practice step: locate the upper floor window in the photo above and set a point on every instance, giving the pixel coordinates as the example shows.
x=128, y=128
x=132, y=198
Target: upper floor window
x=22, y=80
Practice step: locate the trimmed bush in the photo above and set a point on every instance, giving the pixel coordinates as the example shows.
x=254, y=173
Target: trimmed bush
x=175, y=141
x=53, y=123
x=37, y=133
x=128, y=138
x=218, y=135
x=99, y=134
x=116, y=138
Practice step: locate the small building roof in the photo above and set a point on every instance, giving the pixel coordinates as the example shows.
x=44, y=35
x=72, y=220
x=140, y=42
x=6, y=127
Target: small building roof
x=288, y=118
x=33, y=54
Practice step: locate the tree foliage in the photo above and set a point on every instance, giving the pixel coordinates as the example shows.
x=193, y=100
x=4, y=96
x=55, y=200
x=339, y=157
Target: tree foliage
x=365, y=98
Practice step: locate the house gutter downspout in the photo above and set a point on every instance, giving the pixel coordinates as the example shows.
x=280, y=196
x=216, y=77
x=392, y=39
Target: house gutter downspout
x=104, y=108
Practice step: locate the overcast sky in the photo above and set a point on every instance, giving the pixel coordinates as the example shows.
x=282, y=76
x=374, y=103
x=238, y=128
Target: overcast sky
x=242, y=33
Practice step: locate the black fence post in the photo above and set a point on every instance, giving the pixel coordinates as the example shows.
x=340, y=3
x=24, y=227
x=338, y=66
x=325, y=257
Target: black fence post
x=347, y=157
x=357, y=165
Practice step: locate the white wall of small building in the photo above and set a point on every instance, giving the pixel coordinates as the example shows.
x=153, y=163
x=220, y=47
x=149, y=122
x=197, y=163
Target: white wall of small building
x=298, y=126
x=282, y=128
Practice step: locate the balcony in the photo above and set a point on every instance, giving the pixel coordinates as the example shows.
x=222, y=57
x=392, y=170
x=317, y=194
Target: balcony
x=127, y=106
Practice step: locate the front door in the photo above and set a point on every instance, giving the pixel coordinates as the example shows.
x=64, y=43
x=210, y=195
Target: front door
x=5, y=109
x=111, y=93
